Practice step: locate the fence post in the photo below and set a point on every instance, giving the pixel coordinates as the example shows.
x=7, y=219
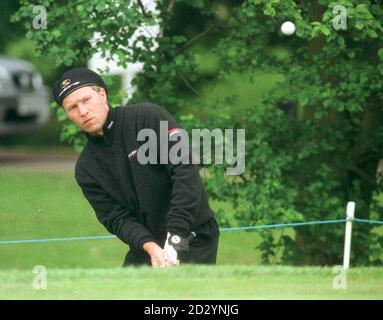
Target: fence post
x=347, y=238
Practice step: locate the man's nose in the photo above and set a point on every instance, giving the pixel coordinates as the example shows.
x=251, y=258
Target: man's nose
x=83, y=110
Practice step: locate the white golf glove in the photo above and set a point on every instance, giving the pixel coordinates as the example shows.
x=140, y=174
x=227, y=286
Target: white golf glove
x=173, y=245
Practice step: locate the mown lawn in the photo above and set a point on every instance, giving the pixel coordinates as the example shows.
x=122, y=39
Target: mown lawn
x=36, y=205
x=194, y=282
x=40, y=205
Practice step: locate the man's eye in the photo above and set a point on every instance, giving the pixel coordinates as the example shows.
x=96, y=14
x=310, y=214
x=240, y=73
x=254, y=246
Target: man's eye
x=86, y=99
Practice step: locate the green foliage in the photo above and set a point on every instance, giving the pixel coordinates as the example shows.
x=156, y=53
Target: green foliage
x=312, y=144
x=23, y=49
x=9, y=32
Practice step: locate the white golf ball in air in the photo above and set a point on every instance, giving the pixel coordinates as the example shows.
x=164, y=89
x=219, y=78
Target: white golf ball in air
x=288, y=28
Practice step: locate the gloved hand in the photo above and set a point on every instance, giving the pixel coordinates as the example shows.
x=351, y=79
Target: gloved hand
x=173, y=245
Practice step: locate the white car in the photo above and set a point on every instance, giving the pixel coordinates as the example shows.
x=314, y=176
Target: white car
x=24, y=100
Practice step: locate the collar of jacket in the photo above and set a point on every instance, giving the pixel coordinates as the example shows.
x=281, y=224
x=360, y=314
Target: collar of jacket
x=108, y=128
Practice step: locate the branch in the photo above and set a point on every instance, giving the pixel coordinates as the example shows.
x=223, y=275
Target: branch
x=142, y=7
x=203, y=33
x=368, y=157
x=170, y=6
x=244, y=179
x=188, y=84
x=363, y=175
x=211, y=27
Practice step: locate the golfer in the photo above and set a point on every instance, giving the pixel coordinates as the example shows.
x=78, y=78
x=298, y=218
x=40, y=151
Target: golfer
x=160, y=210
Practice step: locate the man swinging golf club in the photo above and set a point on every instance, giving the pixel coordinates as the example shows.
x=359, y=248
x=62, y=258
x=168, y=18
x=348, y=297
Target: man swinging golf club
x=160, y=210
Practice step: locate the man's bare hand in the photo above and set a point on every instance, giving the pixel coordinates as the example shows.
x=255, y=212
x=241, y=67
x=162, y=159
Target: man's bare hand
x=156, y=253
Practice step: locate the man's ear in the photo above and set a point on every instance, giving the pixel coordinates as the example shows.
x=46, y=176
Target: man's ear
x=103, y=94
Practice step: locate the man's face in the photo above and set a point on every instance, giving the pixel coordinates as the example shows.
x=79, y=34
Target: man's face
x=87, y=108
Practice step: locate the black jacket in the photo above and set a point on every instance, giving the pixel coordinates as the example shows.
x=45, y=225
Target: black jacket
x=136, y=202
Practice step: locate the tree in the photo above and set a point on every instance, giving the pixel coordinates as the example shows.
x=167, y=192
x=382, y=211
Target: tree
x=8, y=31
x=315, y=141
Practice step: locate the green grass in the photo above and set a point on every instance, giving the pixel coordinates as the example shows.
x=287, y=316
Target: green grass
x=35, y=205
x=193, y=282
x=40, y=205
